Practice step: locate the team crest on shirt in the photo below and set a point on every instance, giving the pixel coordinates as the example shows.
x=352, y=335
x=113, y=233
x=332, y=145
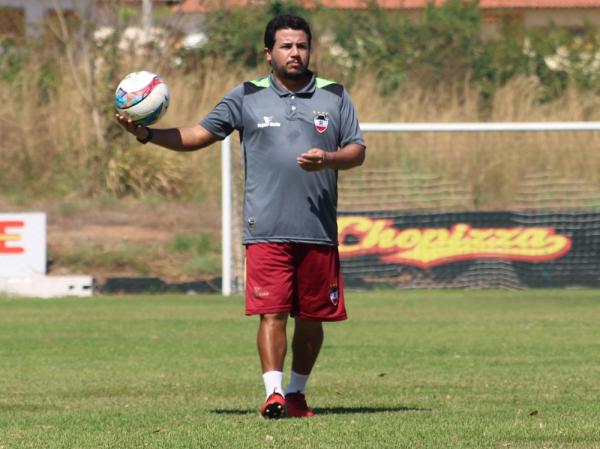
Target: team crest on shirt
x=321, y=121
x=334, y=294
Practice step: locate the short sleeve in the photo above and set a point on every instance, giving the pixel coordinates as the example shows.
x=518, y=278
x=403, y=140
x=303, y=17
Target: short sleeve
x=226, y=115
x=350, y=129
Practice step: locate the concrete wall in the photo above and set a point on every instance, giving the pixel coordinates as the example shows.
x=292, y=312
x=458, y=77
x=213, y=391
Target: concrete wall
x=571, y=18
x=35, y=10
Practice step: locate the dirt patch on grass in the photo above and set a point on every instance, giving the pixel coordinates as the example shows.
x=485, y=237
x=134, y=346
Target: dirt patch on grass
x=128, y=237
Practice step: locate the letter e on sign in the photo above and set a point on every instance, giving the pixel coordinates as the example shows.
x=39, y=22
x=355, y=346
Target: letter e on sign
x=22, y=244
x=9, y=237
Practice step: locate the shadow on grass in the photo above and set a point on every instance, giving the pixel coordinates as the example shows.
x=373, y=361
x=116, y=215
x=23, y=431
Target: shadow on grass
x=349, y=410
x=331, y=410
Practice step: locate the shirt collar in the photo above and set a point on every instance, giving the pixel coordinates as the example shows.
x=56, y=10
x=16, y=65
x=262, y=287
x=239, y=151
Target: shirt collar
x=308, y=89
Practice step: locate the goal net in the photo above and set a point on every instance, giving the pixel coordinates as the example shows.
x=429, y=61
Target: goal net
x=463, y=206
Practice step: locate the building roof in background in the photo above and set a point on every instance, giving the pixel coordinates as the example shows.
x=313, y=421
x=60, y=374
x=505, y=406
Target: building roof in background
x=559, y=4
x=207, y=5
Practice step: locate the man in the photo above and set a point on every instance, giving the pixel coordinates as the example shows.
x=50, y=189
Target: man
x=297, y=131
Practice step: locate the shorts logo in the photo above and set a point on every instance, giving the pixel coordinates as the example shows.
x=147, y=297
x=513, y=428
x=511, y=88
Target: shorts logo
x=321, y=121
x=334, y=294
x=268, y=123
x=259, y=293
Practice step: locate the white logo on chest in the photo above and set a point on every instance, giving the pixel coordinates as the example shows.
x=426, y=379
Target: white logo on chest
x=268, y=123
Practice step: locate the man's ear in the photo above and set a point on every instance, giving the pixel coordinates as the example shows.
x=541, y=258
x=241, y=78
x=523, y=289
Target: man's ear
x=267, y=54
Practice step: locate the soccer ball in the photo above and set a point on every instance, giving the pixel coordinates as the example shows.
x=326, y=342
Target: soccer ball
x=143, y=97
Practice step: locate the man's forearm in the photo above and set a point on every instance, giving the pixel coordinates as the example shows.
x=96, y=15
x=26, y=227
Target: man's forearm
x=345, y=158
x=177, y=139
x=181, y=139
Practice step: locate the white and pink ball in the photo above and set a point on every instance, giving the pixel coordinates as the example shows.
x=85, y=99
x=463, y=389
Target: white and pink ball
x=143, y=97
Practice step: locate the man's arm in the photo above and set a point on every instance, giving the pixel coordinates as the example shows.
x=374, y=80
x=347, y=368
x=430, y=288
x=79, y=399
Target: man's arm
x=352, y=155
x=176, y=139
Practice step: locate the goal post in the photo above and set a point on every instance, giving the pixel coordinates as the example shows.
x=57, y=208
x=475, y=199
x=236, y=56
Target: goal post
x=226, y=217
x=481, y=127
x=229, y=284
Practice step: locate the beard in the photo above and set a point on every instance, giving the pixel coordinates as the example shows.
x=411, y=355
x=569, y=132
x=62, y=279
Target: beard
x=286, y=74
x=283, y=73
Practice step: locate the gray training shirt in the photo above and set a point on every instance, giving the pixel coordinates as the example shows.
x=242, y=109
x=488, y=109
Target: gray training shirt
x=283, y=202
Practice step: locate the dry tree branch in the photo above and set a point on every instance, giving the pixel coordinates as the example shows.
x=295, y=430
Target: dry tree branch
x=86, y=86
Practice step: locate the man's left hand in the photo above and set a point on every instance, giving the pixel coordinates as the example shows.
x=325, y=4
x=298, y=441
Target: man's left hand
x=314, y=159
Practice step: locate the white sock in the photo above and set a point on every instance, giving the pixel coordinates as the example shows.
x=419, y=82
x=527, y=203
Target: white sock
x=297, y=383
x=273, y=382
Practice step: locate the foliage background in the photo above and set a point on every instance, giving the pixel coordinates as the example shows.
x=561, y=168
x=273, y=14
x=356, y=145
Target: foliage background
x=59, y=137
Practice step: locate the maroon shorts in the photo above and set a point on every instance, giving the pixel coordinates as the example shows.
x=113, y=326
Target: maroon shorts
x=300, y=278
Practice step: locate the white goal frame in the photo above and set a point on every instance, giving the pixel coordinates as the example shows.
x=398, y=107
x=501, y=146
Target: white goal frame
x=226, y=167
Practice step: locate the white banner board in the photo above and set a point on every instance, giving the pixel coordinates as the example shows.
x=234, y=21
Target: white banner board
x=22, y=244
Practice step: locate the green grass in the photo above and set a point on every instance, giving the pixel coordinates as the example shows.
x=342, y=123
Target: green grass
x=410, y=369
x=125, y=255
x=202, y=249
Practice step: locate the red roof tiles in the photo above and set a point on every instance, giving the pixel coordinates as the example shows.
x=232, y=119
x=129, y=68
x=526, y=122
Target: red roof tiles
x=206, y=5
x=564, y=4
x=484, y=4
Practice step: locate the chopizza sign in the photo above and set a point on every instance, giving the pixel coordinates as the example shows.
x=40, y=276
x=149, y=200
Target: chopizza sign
x=429, y=247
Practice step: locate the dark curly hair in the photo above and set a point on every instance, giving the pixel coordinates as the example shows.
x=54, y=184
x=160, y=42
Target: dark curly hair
x=282, y=22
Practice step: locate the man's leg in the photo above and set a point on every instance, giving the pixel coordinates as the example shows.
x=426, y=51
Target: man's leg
x=306, y=344
x=269, y=294
x=272, y=341
x=272, y=347
x=320, y=298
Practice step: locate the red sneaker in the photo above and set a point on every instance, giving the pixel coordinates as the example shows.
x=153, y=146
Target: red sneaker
x=296, y=406
x=274, y=407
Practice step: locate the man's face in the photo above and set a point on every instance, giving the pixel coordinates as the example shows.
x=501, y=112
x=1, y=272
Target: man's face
x=290, y=54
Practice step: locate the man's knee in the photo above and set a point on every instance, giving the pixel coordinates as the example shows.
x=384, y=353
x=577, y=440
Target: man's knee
x=308, y=325
x=274, y=319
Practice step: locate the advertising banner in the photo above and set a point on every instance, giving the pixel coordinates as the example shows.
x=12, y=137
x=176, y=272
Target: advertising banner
x=22, y=244
x=470, y=249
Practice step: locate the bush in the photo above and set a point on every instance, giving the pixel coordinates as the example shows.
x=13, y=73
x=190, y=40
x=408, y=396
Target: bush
x=447, y=47
x=59, y=135
x=236, y=34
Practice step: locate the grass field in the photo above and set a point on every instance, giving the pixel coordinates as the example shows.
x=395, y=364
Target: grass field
x=410, y=369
